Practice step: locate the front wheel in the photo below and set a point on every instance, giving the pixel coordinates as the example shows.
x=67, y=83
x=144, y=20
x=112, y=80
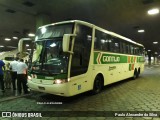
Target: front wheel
x=98, y=85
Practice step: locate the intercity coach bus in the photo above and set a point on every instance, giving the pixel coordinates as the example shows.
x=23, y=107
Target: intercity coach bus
x=73, y=57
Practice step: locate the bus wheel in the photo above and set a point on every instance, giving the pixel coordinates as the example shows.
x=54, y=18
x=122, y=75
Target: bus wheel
x=138, y=73
x=98, y=84
x=135, y=75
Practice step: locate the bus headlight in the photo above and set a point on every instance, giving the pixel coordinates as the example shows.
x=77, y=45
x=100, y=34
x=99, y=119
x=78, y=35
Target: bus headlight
x=60, y=81
x=32, y=76
x=29, y=77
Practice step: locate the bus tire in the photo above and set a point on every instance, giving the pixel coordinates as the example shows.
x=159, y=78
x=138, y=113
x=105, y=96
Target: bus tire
x=138, y=73
x=98, y=85
x=135, y=75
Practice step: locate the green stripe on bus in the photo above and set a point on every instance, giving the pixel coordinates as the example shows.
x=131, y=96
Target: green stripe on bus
x=105, y=58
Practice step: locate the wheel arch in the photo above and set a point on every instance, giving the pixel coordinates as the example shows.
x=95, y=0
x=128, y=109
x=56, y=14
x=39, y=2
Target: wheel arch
x=102, y=77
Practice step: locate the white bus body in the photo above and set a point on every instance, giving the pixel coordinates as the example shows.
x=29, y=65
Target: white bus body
x=75, y=56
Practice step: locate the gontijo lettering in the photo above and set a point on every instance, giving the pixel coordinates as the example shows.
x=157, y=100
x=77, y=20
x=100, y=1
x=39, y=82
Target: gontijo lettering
x=111, y=59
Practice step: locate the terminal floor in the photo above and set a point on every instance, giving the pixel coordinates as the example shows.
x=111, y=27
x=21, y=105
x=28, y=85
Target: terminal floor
x=140, y=95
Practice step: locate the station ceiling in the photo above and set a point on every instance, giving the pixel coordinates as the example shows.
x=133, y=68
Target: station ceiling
x=125, y=17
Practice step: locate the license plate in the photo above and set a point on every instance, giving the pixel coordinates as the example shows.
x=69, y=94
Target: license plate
x=41, y=88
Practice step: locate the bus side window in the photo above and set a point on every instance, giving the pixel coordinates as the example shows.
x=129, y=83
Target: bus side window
x=127, y=48
x=111, y=43
x=82, y=50
x=141, y=51
x=132, y=49
x=116, y=45
x=100, y=41
x=123, y=47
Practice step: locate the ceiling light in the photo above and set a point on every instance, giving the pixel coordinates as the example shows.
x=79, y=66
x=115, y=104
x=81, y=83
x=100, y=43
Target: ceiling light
x=153, y=11
x=141, y=31
x=156, y=53
x=7, y=39
x=15, y=38
x=149, y=50
x=155, y=42
x=31, y=35
x=1, y=46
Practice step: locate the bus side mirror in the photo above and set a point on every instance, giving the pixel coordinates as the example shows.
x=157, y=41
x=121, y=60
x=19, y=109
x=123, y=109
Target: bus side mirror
x=22, y=46
x=66, y=42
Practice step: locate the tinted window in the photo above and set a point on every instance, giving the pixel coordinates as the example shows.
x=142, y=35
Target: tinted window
x=101, y=41
x=82, y=49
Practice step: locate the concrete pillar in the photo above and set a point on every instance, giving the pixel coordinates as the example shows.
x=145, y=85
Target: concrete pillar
x=42, y=19
x=149, y=58
x=155, y=59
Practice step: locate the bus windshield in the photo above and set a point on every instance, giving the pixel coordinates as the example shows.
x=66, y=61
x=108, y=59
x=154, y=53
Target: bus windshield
x=50, y=58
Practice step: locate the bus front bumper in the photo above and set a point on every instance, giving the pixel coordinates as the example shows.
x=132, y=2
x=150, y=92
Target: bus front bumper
x=56, y=89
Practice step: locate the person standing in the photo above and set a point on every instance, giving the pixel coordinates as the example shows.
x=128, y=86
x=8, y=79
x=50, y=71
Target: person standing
x=2, y=65
x=22, y=77
x=13, y=67
x=7, y=76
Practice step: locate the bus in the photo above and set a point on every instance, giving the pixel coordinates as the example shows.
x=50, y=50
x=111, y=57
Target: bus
x=72, y=57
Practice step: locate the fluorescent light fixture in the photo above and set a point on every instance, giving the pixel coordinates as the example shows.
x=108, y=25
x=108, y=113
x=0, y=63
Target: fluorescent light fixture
x=155, y=42
x=156, y=53
x=7, y=39
x=149, y=50
x=31, y=35
x=15, y=38
x=103, y=41
x=1, y=46
x=153, y=11
x=141, y=31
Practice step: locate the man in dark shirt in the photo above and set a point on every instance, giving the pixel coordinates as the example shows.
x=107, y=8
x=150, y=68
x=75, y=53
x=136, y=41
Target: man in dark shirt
x=2, y=75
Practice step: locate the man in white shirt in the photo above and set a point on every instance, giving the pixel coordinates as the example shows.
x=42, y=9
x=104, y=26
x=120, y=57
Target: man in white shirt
x=13, y=67
x=22, y=77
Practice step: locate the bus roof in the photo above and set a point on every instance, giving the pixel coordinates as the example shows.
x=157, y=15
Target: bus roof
x=94, y=26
